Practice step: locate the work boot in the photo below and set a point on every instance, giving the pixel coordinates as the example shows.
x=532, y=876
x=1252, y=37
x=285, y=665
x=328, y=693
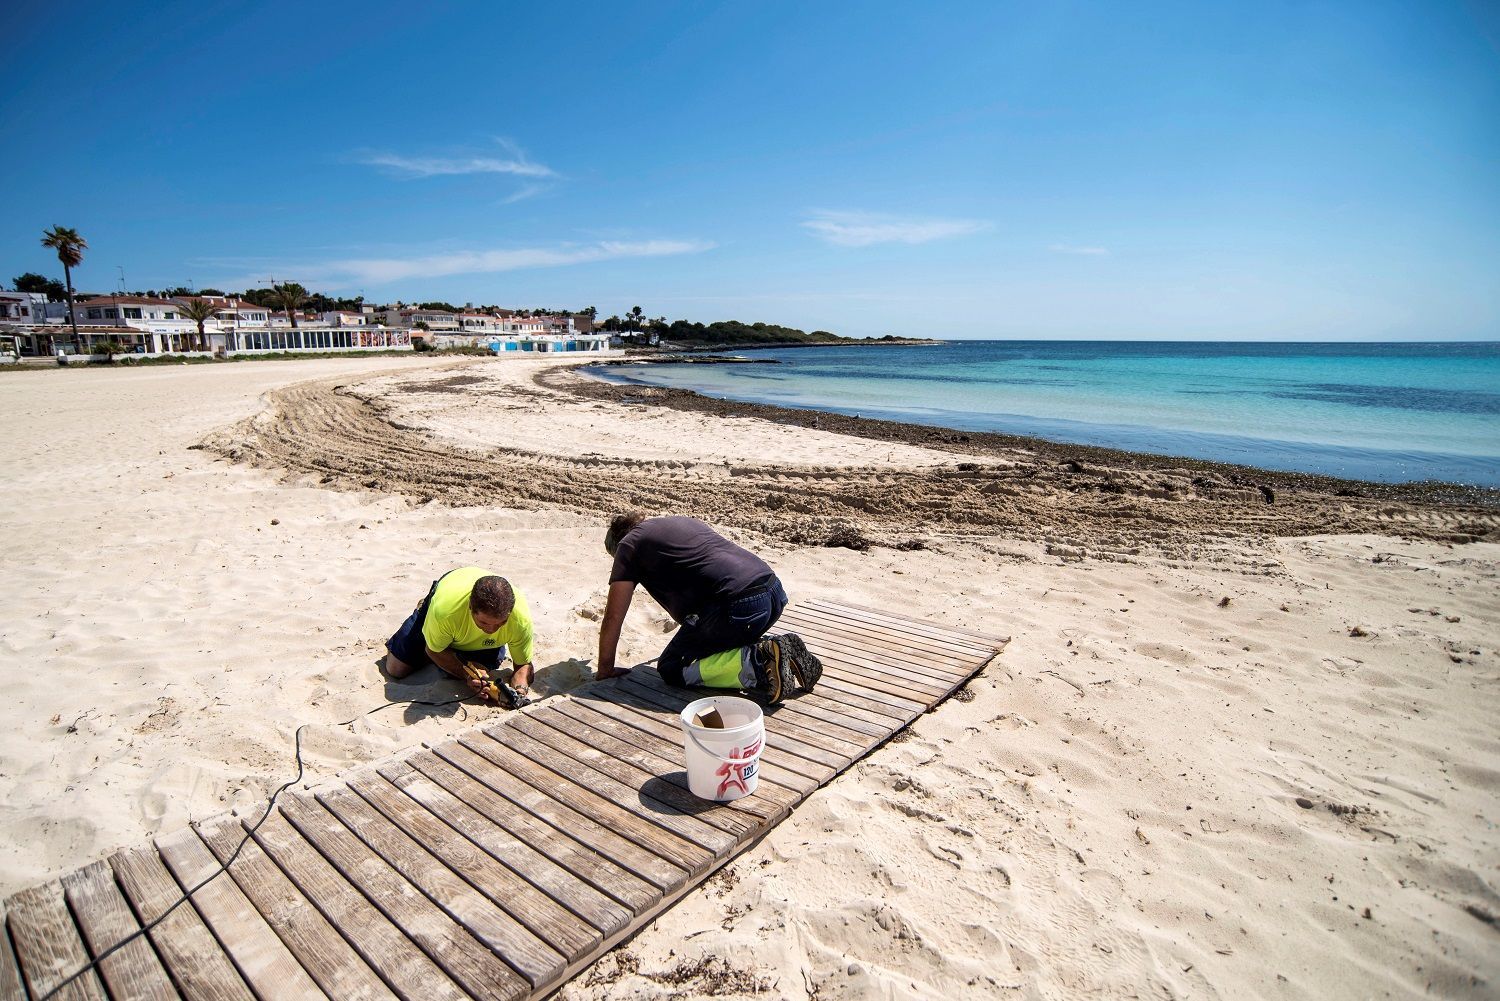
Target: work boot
x=805, y=668
x=772, y=676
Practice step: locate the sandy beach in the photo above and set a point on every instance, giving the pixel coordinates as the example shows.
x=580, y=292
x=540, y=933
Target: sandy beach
x=1242, y=743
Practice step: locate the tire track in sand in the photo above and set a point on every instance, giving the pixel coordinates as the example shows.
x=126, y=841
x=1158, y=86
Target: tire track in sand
x=357, y=441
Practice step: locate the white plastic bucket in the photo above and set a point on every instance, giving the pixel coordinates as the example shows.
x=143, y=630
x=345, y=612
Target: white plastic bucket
x=723, y=764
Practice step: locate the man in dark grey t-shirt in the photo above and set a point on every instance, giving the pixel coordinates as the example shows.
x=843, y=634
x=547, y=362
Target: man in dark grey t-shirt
x=723, y=597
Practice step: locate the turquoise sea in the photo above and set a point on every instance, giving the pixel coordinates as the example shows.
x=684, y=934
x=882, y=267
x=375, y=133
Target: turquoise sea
x=1386, y=412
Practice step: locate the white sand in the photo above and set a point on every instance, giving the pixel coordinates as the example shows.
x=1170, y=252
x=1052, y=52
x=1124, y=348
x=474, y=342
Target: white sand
x=1114, y=813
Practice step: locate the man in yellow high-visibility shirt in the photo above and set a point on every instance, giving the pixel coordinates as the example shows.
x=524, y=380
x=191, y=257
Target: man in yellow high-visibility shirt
x=469, y=616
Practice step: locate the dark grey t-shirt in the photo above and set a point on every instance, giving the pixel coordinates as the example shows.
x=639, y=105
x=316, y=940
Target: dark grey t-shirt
x=685, y=565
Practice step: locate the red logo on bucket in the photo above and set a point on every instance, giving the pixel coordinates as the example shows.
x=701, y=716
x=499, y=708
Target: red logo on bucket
x=738, y=769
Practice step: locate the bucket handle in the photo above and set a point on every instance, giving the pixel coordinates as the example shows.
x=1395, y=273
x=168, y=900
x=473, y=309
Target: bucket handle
x=712, y=754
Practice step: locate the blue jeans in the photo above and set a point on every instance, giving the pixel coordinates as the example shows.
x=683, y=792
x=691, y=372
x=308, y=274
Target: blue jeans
x=737, y=622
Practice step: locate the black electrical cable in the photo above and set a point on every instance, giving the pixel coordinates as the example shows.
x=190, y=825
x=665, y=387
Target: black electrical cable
x=224, y=866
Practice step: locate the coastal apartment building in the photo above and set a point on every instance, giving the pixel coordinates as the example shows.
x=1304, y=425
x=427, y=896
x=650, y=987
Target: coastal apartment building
x=433, y=319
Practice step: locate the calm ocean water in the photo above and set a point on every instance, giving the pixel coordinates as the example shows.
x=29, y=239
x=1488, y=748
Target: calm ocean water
x=1388, y=412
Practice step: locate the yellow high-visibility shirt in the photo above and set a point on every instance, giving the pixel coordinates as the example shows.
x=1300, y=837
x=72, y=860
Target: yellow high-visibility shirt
x=450, y=625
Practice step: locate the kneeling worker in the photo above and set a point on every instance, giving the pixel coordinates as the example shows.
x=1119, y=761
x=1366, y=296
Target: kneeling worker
x=469, y=617
x=724, y=598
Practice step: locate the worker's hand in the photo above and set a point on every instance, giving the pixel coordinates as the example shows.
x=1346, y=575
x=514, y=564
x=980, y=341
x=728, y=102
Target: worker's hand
x=605, y=673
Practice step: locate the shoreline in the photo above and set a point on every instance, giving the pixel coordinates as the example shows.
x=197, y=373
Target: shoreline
x=994, y=442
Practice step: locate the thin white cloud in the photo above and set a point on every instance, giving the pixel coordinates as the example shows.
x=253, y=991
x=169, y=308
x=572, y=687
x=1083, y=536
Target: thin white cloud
x=526, y=191
x=1063, y=248
x=515, y=162
x=379, y=270
x=861, y=229
x=430, y=166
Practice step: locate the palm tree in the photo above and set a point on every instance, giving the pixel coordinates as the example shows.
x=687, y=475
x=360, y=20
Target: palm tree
x=70, y=247
x=635, y=316
x=200, y=311
x=292, y=296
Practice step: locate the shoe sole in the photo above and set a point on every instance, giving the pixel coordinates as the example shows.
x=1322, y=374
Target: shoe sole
x=775, y=686
x=807, y=668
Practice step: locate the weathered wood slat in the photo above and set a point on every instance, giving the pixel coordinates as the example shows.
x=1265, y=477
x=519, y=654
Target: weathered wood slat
x=496, y=824
x=323, y=953
x=857, y=673
x=659, y=771
x=490, y=867
x=48, y=946
x=105, y=918
x=667, y=761
x=935, y=657
x=983, y=641
x=827, y=750
x=385, y=947
x=670, y=750
x=192, y=955
x=587, y=914
x=891, y=656
x=630, y=776
x=556, y=926
x=634, y=800
x=878, y=667
x=470, y=962
x=616, y=832
x=256, y=951
x=947, y=648
x=10, y=974
x=824, y=762
x=618, y=703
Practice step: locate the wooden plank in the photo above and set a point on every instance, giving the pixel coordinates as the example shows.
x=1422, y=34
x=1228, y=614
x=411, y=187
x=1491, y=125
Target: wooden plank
x=385, y=947
x=822, y=760
x=649, y=851
x=850, y=693
x=984, y=640
x=915, y=631
x=626, y=761
x=49, y=949
x=470, y=963
x=503, y=882
x=11, y=988
x=103, y=915
x=578, y=899
x=618, y=703
x=803, y=742
x=819, y=713
x=880, y=663
x=889, y=654
x=667, y=760
x=635, y=728
x=933, y=653
x=323, y=953
x=593, y=803
x=856, y=671
x=649, y=808
x=191, y=954
x=639, y=779
x=256, y=951
x=495, y=824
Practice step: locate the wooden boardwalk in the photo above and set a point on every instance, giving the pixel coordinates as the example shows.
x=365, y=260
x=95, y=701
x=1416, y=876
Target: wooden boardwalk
x=493, y=866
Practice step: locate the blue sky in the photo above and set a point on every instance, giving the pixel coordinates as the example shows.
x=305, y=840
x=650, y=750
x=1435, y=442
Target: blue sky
x=1318, y=171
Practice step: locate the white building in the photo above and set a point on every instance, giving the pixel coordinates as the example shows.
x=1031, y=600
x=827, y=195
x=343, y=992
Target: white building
x=433, y=319
x=23, y=307
x=345, y=318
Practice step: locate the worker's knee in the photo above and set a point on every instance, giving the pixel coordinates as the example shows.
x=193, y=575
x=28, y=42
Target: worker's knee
x=396, y=667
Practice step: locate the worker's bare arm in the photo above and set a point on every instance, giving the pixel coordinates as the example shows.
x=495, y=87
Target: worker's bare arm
x=615, y=607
